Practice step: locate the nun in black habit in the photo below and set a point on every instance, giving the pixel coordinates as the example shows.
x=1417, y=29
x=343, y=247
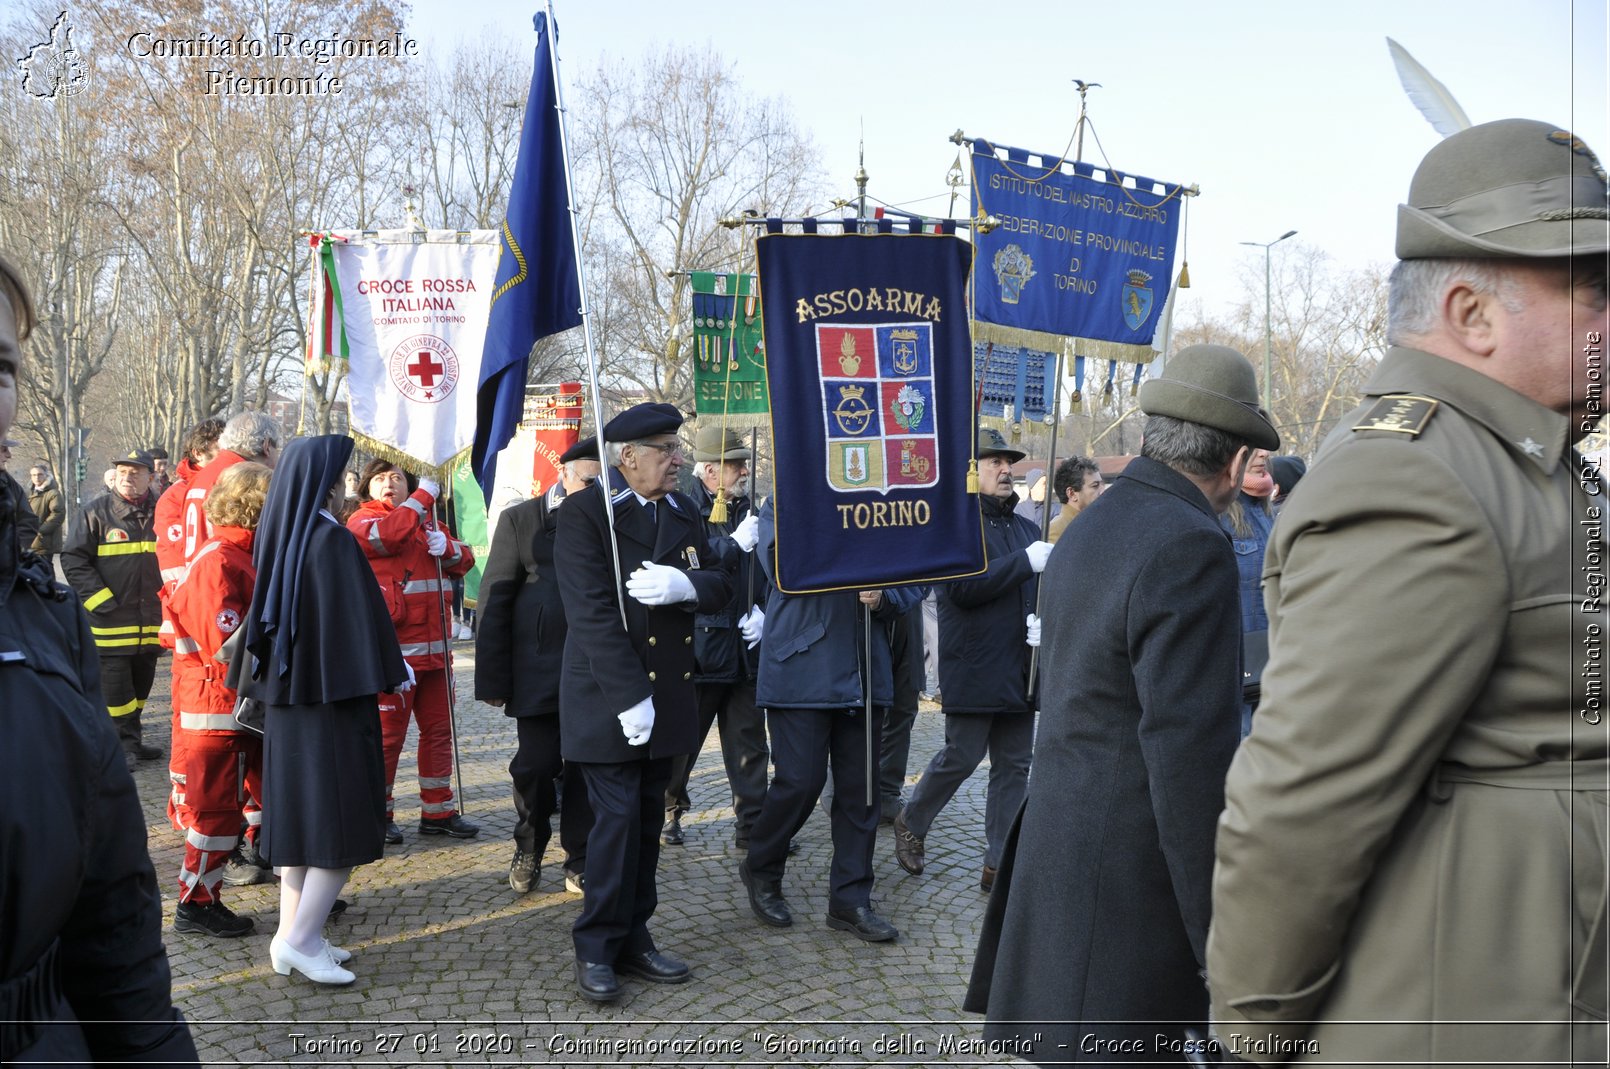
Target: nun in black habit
x=322, y=646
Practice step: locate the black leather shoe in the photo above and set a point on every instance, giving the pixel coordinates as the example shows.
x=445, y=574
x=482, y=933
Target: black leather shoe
x=393, y=833
x=455, y=825
x=654, y=967
x=146, y=752
x=862, y=923
x=671, y=834
x=766, y=898
x=596, y=982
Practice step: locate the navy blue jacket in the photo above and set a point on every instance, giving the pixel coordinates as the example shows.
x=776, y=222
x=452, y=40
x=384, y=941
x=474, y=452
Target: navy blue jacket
x=983, y=655
x=812, y=653
x=719, y=652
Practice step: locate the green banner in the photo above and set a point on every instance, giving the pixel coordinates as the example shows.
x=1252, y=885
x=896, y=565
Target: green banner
x=729, y=359
x=469, y=510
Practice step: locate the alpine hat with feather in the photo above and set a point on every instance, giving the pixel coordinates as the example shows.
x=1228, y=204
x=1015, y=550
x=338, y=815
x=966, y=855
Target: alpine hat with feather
x=1215, y=386
x=1511, y=188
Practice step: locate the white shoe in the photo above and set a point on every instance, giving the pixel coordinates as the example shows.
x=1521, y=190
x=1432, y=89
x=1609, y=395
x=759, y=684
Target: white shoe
x=341, y=954
x=465, y=632
x=321, y=967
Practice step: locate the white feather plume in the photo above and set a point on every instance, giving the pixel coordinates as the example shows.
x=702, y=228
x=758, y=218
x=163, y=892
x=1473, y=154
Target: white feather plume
x=1439, y=107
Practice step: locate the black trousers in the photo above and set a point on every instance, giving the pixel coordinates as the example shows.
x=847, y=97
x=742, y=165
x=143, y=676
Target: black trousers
x=905, y=647
x=125, y=685
x=743, y=749
x=804, y=743
x=535, y=767
x=623, y=854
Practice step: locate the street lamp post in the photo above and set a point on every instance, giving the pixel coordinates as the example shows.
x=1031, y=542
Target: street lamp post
x=1268, y=371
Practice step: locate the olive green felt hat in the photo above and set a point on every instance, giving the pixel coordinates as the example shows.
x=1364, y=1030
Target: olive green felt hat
x=1512, y=188
x=712, y=443
x=1215, y=386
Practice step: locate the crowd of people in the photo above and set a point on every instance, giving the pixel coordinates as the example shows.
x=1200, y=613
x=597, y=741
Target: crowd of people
x=1289, y=747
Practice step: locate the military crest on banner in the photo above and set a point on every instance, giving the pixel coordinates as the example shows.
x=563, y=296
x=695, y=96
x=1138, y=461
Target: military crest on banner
x=877, y=383
x=1137, y=299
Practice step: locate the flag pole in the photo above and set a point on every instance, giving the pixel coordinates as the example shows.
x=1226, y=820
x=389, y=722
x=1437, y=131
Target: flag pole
x=605, y=489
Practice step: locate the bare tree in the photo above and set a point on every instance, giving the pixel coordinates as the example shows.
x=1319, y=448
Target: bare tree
x=666, y=145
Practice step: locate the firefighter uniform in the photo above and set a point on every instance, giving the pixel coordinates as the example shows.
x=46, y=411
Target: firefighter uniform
x=223, y=764
x=111, y=563
x=394, y=539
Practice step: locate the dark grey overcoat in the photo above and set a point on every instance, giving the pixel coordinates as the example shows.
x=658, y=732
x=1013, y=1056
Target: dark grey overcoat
x=1100, y=910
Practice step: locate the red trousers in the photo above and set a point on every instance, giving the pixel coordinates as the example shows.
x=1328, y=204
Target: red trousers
x=426, y=702
x=178, y=810
x=223, y=776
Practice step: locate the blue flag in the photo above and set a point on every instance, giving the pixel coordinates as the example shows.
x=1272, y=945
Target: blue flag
x=869, y=371
x=538, y=286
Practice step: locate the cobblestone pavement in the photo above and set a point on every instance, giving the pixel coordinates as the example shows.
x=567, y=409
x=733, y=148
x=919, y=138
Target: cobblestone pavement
x=455, y=968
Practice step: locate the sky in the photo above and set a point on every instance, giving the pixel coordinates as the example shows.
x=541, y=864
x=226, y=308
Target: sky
x=1288, y=116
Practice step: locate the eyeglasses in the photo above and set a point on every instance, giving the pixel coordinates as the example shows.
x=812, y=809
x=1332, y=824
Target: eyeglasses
x=670, y=449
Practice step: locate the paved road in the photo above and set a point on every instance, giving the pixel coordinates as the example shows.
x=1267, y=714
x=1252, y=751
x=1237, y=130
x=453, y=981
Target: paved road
x=455, y=968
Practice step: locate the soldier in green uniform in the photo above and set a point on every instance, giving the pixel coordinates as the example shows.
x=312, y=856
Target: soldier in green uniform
x=1411, y=862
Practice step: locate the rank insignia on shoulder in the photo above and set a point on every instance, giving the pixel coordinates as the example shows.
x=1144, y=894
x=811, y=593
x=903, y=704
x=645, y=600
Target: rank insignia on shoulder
x=1401, y=413
x=692, y=556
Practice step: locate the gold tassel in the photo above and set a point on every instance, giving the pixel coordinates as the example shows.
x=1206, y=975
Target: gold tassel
x=1185, y=276
x=972, y=476
x=718, y=511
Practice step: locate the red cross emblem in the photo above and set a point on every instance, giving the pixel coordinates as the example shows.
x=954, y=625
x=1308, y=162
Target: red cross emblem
x=424, y=370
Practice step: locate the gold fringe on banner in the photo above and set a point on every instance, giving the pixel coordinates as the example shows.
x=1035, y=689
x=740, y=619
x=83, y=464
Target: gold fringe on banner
x=1056, y=343
x=408, y=462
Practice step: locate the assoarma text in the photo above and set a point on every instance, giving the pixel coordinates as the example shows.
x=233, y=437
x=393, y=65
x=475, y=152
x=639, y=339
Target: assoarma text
x=868, y=299
x=884, y=514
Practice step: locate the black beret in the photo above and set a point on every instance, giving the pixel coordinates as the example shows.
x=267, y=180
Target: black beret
x=641, y=421
x=586, y=449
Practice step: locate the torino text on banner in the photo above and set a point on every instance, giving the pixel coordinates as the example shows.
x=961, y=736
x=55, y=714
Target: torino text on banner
x=869, y=371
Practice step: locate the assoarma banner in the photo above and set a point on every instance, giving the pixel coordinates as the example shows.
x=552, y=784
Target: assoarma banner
x=1075, y=256
x=415, y=314
x=869, y=372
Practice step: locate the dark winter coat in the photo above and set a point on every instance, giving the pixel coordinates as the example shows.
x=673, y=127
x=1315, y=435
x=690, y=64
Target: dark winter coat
x=52, y=516
x=78, y=894
x=111, y=562
x=608, y=669
x=520, y=636
x=1100, y=909
x=814, y=650
x=983, y=655
x=719, y=652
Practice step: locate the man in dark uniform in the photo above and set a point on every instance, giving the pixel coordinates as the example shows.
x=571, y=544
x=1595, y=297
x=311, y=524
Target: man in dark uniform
x=984, y=671
x=725, y=659
x=627, y=703
x=1093, y=940
x=519, y=646
x=83, y=976
x=111, y=561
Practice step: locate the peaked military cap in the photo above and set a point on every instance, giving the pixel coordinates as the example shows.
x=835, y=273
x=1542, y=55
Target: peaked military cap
x=137, y=458
x=642, y=421
x=1511, y=188
x=1215, y=386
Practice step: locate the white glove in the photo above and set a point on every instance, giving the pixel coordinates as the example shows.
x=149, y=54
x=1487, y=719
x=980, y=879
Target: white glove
x=409, y=683
x=637, y=723
x=1037, y=553
x=1034, y=629
x=436, y=543
x=750, y=626
x=659, y=584
x=747, y=533
x=431, y=487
